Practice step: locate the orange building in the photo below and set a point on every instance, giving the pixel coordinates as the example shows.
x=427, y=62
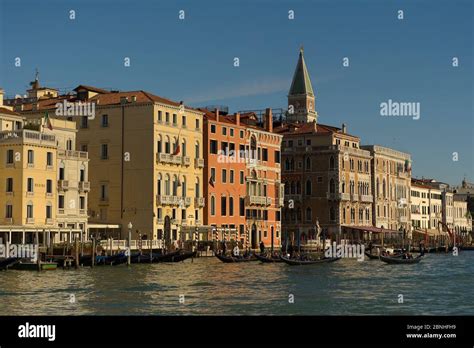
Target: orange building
x=242, y=168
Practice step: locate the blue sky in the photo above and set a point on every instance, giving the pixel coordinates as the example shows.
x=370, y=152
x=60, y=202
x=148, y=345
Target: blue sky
x=192, y=60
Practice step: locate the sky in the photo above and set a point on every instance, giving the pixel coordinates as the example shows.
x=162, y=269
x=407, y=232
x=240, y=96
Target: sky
x=192, y=59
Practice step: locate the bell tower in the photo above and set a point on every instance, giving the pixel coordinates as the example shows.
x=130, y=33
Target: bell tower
x=301, y=100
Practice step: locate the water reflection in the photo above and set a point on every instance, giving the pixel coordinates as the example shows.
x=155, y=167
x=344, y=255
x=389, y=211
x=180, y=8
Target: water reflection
x=441, y=284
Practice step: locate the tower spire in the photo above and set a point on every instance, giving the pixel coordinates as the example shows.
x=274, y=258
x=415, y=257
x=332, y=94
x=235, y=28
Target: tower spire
x=301, y=96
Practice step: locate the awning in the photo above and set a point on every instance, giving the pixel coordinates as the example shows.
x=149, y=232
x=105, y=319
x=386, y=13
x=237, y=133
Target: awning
x=432, y=232
x=102, y=226
x=372, y=229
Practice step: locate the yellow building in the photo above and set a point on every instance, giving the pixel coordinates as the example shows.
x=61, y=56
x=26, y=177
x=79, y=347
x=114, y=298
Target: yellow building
x=137, y=172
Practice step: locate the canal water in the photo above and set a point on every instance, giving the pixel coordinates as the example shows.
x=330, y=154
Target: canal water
x=441, y=284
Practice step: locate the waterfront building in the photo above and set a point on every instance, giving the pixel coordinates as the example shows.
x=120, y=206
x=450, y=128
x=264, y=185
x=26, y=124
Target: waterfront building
x=44, y=183
x=462, y=216
x=146, y=159
x=327, y=176
x=391, y=185
x=242, y=166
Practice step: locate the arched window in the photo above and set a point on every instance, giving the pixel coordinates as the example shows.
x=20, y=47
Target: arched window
x=332, y=186
x=287, y=164
x=82, y=173
x=197, y=151
x=287, y=188
x=196, y=188
x=308, y=187
x=213, y=205
x=298, y=187
x=167, y=185
x=384, y=188
x=292, y=187
x=292, y=164
x=332, y=214
x=343, y=187
x=175, y=145
x=167, y=145
x=159, y=144
x=183, y=147
x=253, y=147
x=175, y=185
x=69, y=144
x=183, y=186
x=308, y=214
x=308, y=163
x=331, y=162
x=158, y=185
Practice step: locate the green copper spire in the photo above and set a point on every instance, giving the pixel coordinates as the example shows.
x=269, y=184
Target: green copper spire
x=301, y=82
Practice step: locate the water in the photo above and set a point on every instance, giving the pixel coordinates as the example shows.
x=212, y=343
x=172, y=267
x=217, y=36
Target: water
x=440, y=285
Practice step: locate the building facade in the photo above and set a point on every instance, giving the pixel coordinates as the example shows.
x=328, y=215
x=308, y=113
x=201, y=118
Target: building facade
x=391, y=185
x=244, y=191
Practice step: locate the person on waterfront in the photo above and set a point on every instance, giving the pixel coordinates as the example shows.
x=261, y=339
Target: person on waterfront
x=224, y=248
x=262, y=247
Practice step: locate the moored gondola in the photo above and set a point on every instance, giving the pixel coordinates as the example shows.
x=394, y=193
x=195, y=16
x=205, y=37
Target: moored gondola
x=232, y=259
x=400, y=261
x=181, y=256
x=296, y=262
x=371, y=256
x=266, y=259
x=8, y=262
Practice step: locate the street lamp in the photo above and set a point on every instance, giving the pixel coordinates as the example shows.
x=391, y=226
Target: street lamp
x=130, y=226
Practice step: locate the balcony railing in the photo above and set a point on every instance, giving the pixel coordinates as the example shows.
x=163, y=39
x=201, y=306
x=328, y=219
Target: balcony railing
x=268, y=201
x=168, y=158
x=198, y=163
x=72, y=154
x=354, y=197
x=49, y=221
x=168, y=200
x=63, y=185
x=257, y=200
x=8, y=221
x=84, y=186
x=366, y=198
x=186, y=160
x=30, y=220
x=28, y=136
x=199, y=201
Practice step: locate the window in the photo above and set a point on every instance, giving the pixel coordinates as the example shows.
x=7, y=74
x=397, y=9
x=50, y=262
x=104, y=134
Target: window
x=231, y=179
x=30, y=185
x=84, y=147
x=9, y=156
x=213, y=205
x=9, y=185
x=213, y=174
x=231, y=132
x=105, y=121
x=213, y=147
x=197, y=124
x=231, y=206
x=224, y=146
x=223, y=205
x=9, y=211
x=167, y=117
x=103, y=192
x=183, y=120
x=197, y=150
x=49, y=158
x=84, y=122
x=224, y=176
x=308, y=214
x=49, y=186
x=61, y=202
x=104, y=151
x=31, y=157
x=82, y=202
x=241, y=134
x=69, y=145
x=241, y=206
x=308, y=187
x=29, y=211
x=277, y=157
x=159, y=116
x=264, y=155
x=224, y=130
x=241, y=179
x=213, y=128
x=175, y=119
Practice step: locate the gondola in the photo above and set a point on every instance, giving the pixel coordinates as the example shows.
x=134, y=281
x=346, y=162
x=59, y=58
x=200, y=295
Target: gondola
x=168, y=257
x=8, y=262
x=467, y=248
x=232, y=259
x=295, y=262
x=141, y=258
x=397, y=260
x=266, y=259
x=114, y=260
x=181, y=256
x=371, y=256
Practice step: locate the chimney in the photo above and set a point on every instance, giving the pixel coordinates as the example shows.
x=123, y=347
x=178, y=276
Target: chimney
x=217, y=115
x=344, y=128
x=237, y=118
x=123, y=100
x=134, y=98
x=268, y=120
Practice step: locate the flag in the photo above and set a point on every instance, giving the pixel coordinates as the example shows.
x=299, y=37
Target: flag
x=177, y=148
x=47, y=122
x=211, y=181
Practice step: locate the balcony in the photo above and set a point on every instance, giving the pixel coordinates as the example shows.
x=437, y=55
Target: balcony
x=168, y=200
x=403, y=219
x=168, y=158
x=256, y=200
x=28, y=137
x=198, y=163
x=61, y=211
x=186, y=160
x=199, y=201
x=49, y=221
x=8, y=221
x=366, y=198
x=354, y=197
x=295, y=197
x=268, y=201
x=187, y=201
x=84, y=186
x=68, y=154
x=30, y=220
x=63, y=185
